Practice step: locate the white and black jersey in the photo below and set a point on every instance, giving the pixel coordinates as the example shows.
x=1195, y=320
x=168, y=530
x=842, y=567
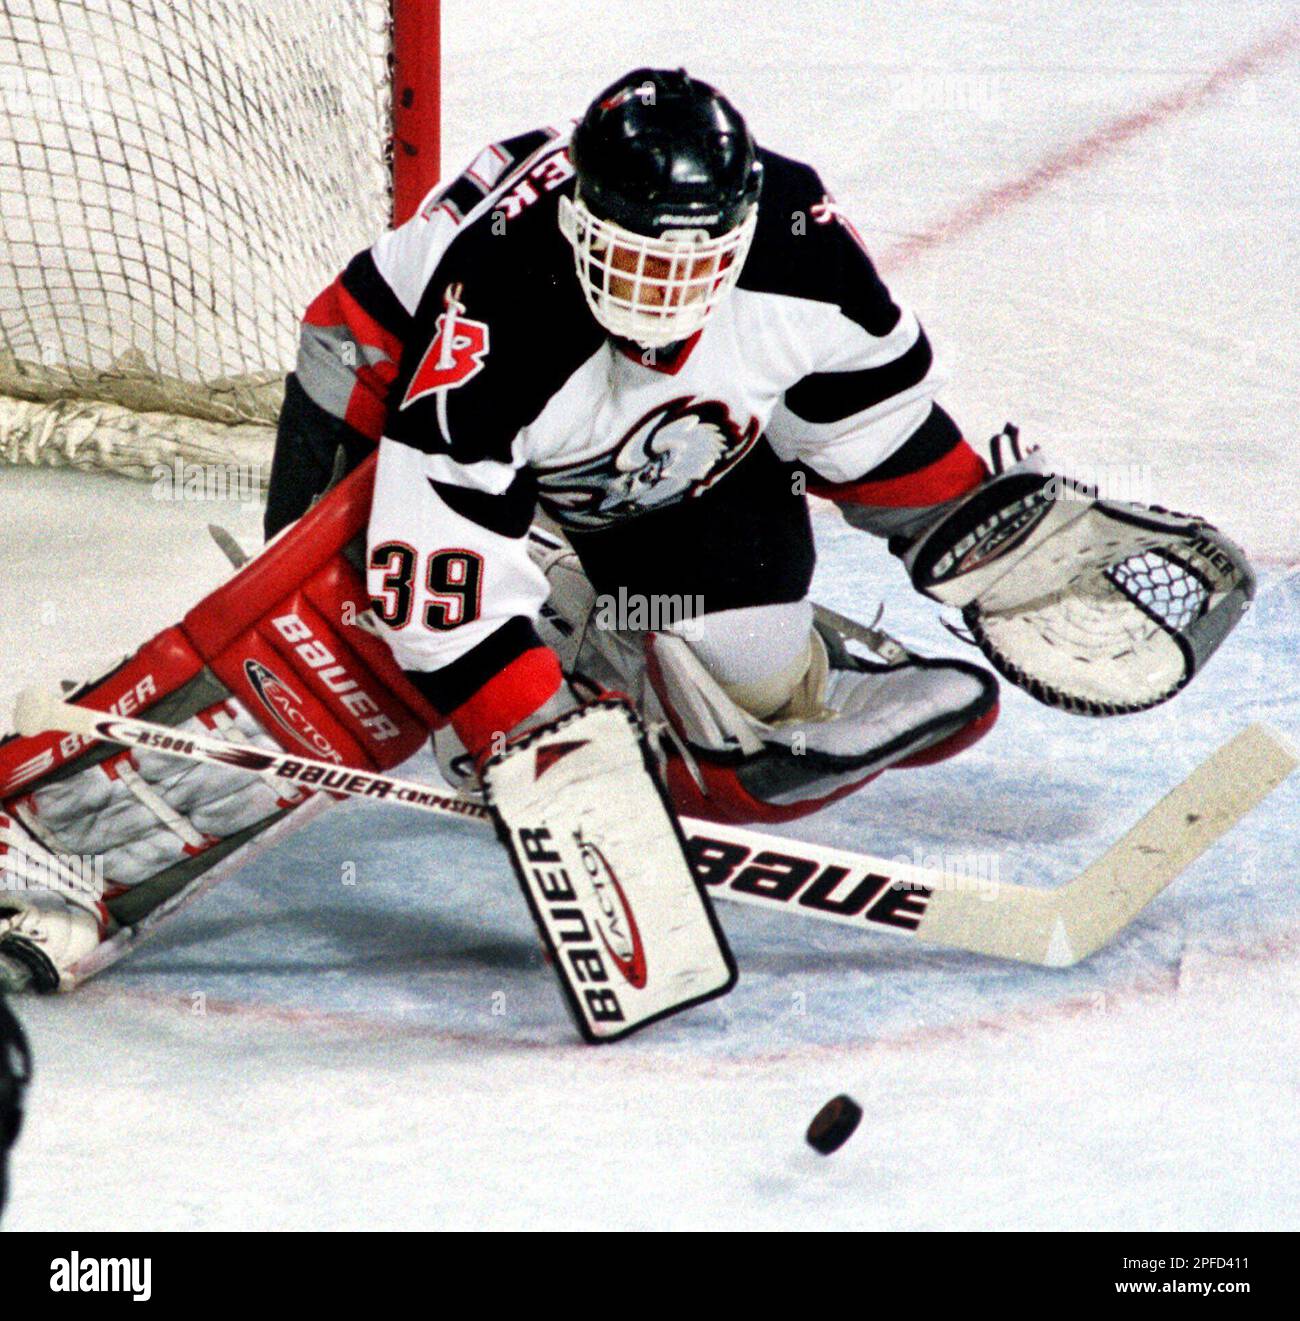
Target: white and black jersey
x=463, y=344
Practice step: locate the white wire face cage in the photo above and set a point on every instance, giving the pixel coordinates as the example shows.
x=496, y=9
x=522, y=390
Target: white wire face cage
x=653, y=291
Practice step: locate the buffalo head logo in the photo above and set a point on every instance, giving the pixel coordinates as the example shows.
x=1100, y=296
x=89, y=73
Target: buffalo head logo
x=675, y=452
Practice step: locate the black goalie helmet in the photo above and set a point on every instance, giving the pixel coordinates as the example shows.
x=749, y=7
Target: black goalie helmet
x=668, y=179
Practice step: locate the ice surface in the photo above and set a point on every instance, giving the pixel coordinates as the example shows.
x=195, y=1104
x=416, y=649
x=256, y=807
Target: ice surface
x=300, y=1051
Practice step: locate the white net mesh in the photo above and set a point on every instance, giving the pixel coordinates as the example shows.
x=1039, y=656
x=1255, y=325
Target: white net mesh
x=178, y=179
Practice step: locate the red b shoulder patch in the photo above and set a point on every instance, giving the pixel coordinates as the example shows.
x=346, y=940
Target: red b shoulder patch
x=456, y=354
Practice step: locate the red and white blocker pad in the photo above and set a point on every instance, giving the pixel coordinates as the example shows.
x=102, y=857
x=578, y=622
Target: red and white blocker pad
x=602, y=862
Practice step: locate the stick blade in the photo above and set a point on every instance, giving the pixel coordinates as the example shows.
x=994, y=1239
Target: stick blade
x=1058, y=928
x=1172, y=835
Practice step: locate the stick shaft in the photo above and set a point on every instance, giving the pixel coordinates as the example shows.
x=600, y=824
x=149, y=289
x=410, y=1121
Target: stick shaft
x=39, y=711
x=1048, y=927
x=738, y=864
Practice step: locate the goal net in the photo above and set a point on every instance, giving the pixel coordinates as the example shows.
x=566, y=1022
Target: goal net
x=178, y=179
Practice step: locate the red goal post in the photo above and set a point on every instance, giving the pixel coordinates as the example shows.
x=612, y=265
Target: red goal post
x=178, y=179
x=416, y=114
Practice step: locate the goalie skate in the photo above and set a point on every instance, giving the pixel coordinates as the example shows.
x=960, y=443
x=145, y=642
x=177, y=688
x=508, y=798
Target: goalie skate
x=51, y=911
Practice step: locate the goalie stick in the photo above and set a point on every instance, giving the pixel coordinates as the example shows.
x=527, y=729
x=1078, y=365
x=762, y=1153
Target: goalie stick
x=1048, y=927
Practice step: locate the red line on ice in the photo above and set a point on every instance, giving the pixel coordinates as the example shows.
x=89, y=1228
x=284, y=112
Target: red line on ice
x=1096, y=146
x=1159, y=984
x=1260, y=948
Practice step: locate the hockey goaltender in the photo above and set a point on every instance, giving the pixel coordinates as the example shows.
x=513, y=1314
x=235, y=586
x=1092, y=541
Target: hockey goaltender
x=609, y=360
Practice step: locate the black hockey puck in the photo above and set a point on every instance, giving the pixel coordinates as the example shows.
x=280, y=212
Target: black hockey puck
x=833, y=1124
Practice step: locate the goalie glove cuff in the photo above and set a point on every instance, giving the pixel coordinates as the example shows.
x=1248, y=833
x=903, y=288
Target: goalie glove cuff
x=982, y=539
